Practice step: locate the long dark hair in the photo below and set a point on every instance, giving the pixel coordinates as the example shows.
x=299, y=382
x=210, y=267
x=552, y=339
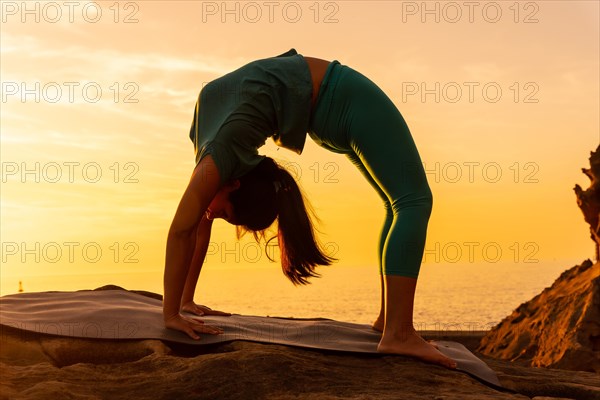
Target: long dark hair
x=269, y=192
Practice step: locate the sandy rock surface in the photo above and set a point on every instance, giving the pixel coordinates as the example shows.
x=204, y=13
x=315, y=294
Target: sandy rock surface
x=34, y=366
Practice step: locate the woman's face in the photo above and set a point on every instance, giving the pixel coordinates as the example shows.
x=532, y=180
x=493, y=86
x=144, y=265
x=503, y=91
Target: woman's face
x=220, y=206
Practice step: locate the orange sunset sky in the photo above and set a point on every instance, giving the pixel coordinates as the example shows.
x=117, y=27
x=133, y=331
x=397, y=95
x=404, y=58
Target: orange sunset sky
x=502, y=161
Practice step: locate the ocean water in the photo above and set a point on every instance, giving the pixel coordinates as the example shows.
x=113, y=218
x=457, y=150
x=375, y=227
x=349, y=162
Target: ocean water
x=455, y=297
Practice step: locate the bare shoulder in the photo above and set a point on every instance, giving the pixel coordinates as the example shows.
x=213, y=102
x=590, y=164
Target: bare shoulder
x=201, y=189
x=205, y=175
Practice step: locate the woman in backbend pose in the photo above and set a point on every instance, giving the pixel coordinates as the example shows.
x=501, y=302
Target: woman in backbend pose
x=284, y=97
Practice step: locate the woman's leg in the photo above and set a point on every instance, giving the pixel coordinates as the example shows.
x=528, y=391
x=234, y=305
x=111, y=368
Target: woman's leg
x=381, y=140
x=401, y=258
x=378, y=324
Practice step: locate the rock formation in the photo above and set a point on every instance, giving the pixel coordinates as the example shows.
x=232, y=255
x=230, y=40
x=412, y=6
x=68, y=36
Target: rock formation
x=589, y=200
x=560, y=327
x=36, y=366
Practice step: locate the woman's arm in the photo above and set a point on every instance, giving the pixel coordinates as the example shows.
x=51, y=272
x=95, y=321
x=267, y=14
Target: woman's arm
x=201, y=246
x=203, y=186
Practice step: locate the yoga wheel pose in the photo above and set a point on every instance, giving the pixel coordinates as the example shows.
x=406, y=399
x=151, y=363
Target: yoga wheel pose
x=285, y=97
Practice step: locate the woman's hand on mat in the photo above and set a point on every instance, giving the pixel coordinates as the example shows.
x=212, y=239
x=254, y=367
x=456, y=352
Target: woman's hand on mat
x=197, y=309
x=191, y=326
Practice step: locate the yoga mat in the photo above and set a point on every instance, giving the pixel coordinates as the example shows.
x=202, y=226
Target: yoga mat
x=121, y=314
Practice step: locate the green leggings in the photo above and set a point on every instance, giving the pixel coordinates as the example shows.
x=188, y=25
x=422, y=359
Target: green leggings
x=353, y=116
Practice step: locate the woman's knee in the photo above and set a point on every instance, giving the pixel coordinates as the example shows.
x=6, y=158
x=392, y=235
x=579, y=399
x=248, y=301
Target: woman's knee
x=430, y=198
x=421, y=200
x=428, y=201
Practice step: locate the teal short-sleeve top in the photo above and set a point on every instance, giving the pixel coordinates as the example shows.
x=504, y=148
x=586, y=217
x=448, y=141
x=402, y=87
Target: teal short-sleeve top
x=237, y=112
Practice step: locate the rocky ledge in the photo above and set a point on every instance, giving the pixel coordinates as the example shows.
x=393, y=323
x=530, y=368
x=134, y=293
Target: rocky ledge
x=34, y=366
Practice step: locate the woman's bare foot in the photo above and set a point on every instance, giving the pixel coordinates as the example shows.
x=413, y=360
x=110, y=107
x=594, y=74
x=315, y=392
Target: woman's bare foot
x=378, y=325
x=413, y=345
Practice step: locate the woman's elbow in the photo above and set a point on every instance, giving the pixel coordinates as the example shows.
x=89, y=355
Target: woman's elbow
x=178, y=230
